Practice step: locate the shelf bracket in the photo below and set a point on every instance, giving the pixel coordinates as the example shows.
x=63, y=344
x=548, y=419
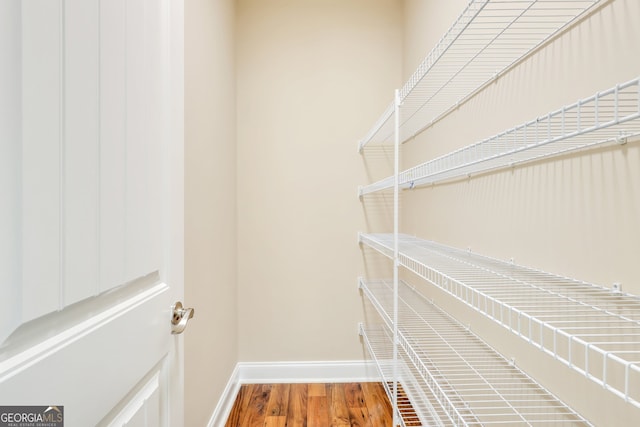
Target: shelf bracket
x=622, y=138
x=616, y=288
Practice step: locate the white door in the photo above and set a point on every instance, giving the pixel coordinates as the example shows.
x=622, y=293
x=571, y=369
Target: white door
x=91, y=208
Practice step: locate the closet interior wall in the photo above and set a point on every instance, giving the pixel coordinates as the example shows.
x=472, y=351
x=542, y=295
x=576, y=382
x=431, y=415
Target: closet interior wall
x=574, y=215
x=211, y=340
x=311, y=75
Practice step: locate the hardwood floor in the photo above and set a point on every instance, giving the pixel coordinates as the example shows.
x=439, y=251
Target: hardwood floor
x=311, y=405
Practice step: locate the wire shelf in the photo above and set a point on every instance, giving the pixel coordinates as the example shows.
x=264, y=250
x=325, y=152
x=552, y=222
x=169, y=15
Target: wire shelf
x=486, y=39
x=383, y=184
x=473, y=383
x=611, y=116
x=589, y=328
x=416, y=406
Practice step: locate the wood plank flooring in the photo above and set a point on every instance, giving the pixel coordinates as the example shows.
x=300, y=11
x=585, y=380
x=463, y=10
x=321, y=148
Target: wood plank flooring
x=311, y=405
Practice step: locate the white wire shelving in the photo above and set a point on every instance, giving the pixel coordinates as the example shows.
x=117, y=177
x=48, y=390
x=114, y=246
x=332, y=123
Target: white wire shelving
x=610, y=116
x=446, y=375
x=378, y=339
x=486, y=39
x=591, y=329
x=471, y=382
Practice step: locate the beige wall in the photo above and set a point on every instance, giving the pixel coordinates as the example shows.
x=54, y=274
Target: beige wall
x=211, y=341
x=312, y=76
x=575, y=216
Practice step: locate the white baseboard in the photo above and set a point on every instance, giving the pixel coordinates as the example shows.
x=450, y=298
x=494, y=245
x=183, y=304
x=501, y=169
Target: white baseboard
x=290, y=372
x=308, y=372
x=225, y=404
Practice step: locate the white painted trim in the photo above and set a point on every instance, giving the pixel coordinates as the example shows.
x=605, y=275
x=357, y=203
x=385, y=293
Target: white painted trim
x=225, y=404
x=308, y=372
x=39, y=352
x=290, y=372
x=137, y=402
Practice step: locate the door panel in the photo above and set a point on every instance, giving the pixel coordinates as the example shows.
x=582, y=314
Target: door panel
x=10, y=169
x=91, y=255
x=80, y=151
x=141, y=211
x=113, y=143
x=41, y=165
x=72, y=196
x=144, y=408
x=90, y=365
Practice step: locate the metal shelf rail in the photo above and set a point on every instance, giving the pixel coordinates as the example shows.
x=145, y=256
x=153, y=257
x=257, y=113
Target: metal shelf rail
x=442, y=395
x=488, y=38
x=591, y=329
x=610, y=116
x=472, y=382
x=416, y=407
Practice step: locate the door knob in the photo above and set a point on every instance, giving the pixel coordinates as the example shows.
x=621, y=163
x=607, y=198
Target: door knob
x=180, y=318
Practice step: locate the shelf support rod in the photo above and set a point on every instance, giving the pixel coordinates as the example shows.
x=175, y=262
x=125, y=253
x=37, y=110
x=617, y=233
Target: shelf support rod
x=396, y=222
